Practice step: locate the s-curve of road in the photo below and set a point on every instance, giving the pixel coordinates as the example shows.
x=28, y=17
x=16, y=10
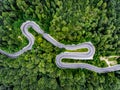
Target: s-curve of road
x=64, y=55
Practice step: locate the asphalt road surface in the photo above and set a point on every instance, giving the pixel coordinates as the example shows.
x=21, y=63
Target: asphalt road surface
x=64, y=55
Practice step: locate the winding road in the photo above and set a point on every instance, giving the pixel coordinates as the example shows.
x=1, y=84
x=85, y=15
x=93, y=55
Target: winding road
x=64, y=55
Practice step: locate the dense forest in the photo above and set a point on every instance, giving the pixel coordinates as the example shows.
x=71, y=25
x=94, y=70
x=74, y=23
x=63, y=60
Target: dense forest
x=68, y=21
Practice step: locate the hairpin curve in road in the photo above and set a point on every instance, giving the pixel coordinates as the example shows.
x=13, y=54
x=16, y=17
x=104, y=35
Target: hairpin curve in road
x=65, y=55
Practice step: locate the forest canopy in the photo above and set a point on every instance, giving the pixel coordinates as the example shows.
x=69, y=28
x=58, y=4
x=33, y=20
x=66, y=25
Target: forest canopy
x=69, y=22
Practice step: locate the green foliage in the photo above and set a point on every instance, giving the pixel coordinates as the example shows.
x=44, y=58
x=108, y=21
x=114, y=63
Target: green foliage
x=68, y=21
